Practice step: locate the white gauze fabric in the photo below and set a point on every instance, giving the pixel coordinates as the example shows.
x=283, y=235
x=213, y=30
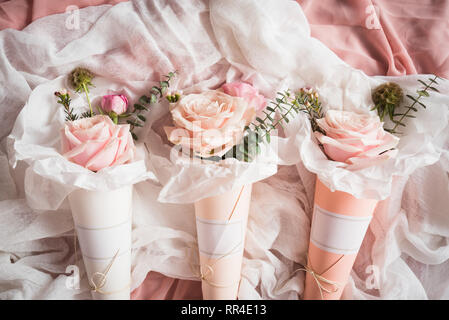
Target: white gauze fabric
x=267, y=44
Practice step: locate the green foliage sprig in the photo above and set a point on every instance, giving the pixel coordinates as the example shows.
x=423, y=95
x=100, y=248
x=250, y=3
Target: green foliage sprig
x=286, y=104
x=398, y=118
x=64, y=99
x=156, y=93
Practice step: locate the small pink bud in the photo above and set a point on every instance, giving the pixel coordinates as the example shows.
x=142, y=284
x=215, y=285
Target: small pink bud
x=114, y=102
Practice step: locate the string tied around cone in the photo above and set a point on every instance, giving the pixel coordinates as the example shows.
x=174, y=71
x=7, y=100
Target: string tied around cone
x=102, y=277
x=96, y=287
x=319, y=279
x=209, y=273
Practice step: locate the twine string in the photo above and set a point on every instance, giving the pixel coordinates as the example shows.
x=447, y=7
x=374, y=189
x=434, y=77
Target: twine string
x=96, y=287
x=209, y=273
x=102, y=276
x=320, y=280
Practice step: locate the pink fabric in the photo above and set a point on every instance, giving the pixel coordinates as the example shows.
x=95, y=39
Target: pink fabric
x=413, y=38
x=159, y=287
x=17, y=14
x=413, y=35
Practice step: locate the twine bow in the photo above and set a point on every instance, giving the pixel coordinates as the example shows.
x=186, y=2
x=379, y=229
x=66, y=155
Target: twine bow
x=96, y=287
x=319, y=279
x=102, y=276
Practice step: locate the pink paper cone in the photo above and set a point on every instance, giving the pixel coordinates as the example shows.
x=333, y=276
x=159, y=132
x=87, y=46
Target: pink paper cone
x=103, y=226
x=221, y=273
x=327, y=258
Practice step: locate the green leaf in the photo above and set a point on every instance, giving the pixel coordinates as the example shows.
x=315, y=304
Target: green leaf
x=399, y=123
x=433, y=80
x=271, y=109
x=260, y=120
x=153, y=98
x=141, y=117
x=422, y=93
x=411, y=97
x=138, y=106
x=422, y=82
x=268, y=137
x=434, y=89
x=156, y=90
x=134, y=136
x=144, y=99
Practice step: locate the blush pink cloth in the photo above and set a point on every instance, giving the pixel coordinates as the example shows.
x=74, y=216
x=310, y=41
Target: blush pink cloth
x=156, y=286
x=409, y=36
x=17, y=14
x=413, y=38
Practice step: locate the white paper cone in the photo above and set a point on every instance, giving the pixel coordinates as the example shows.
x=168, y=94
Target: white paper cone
x=221, y=228
x=103, y=225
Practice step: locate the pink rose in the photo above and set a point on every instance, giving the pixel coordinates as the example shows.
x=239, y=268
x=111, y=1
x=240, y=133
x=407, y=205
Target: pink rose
x=246, y=91
x=117, y=103
x=357, y=139
x=96, y=143
x=209, y=123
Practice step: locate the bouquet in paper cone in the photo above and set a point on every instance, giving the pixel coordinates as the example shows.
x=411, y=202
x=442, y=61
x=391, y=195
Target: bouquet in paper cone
x=103, y=218
x=93, y=163
x=357, y=147
x=218, y=137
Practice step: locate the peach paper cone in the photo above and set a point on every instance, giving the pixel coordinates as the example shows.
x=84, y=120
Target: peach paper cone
x=339, y=225
x=221, y=252
x=103, y=227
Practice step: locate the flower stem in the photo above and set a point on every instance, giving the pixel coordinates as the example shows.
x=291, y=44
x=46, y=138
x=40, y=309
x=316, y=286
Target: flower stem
x=88, y=100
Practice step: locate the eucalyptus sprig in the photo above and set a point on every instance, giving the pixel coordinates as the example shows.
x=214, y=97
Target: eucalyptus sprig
x=65, y=100
x=286, y=104
x=81, y=79
x=398, y=118
x=156, y=93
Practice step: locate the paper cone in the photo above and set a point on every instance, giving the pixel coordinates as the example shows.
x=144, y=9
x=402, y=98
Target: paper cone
x=221, y=229
x=103, y=226
x=339, y=225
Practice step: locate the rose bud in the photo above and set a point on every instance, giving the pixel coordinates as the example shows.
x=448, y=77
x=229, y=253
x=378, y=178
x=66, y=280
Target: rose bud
x=117, y=103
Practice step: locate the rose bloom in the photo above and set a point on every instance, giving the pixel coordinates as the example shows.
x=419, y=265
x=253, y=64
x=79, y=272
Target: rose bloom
x=356, y=139
x=96, y=143
x=209, y=123
x=246, y=91
x=117, y=103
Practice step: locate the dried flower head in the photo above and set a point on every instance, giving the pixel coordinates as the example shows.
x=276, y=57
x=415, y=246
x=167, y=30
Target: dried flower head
x=387, y=97
x=81, y=78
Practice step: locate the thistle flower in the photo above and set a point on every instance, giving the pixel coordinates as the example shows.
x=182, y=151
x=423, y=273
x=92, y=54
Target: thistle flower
x=81, y=79
x=387, y=98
